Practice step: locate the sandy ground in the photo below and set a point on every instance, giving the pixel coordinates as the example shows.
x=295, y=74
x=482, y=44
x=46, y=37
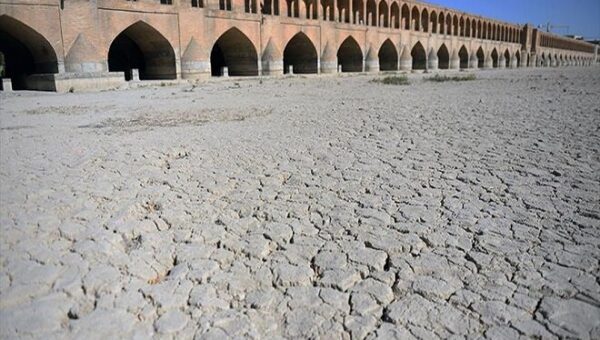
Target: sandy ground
x=304, y=208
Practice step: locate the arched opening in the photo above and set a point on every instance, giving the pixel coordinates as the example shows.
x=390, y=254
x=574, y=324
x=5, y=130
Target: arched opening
x=468, y=28
x=415, y=19
x=236, y=52
x=142, y=47
x=419, y=57
x=495, y=58
x=425, y=20
x=359, y=14
x=350, y=56
x=464, y=57
x=405, y=17
x=455, y=25
x=442, y=23
x=395, y=10
x=518, y=56
x=462, y=27
x=300, y=53
x=344, y=10
x=528, y=60
x=371, y=13
x=443, y=58
x=383, y=13
x=480, y=58
x=292, y=8
x=434, y=22
x=25, y=51
x=449, y=24
x=507, y=59
x=327, y=10
x=478, y=29
x=271, y=7
x=388, y=56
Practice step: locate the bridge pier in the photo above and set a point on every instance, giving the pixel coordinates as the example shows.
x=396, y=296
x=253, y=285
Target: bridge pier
x=432, y=60
x=455, y=60
x=473, y=61
x=406, y=59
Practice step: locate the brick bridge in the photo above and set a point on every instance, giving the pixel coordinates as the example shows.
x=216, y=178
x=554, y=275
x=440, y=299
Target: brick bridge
x=63, y=44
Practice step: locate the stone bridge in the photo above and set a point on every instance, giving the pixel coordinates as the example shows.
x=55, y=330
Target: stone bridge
x=75, y=44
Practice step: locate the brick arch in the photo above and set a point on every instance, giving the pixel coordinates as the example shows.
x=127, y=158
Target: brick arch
x=415, y=19
x=350, y=55
x=25, y=51
x=141, y=46
x=49, y=36
x=236, y=51
x=301, y=53
x=388, y=56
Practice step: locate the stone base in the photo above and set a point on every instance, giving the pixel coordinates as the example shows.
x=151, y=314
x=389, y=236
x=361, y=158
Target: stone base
x=328, y=66
x=69, y=82
x=6, y=84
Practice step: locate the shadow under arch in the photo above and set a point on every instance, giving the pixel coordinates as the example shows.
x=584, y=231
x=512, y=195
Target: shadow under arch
x=350, y=56
x=25, y=52
x=388, y=56
x=443, y=57
x=301, y=54
x=235, y=51
x=419, y=57
x=140, y=46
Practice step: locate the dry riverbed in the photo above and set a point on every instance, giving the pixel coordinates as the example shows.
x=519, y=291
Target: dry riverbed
x=304, y=207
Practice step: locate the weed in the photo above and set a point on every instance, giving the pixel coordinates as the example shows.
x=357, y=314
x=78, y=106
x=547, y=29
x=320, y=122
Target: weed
x=392, y=80
x=440, y=79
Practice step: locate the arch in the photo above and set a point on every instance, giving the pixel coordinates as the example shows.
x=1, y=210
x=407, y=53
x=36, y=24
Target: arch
x=443, y=57
x=416, y=26
x=434, y=22
x=507, y=58
x=343, y=10
x=518, y=57
x=463, y=55
x=480, y=58
x=468, y=28
x=419, y=57
x=484, y=30
x=395, y=12
x=442, y=23
x=462, y=26
x=371, y=13
x=25, y=52
x=358, y=16
x=455, y=24
x=478, y=29
x=494, y=58
x=301, y=54
x=350, y=56
x=405, y=17
x=425, y=20
x=327, y=6
x=388, y=56
x=293, y=8
x=140, y=46
x=235, y=51
x=383, y=14
x=489, y=31
x=449, y=24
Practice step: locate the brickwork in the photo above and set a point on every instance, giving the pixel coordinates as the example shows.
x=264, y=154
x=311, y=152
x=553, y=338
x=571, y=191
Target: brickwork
x=199, y=38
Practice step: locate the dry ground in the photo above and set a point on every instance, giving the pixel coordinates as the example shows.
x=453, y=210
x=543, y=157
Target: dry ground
x=307, y=207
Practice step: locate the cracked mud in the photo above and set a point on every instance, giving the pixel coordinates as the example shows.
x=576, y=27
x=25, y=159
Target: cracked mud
x=328, y=208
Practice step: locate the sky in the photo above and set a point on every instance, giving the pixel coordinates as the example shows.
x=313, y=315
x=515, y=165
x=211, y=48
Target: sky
x=581, y=16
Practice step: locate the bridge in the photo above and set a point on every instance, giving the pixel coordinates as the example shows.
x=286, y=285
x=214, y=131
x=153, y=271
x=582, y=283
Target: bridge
x=61, y=45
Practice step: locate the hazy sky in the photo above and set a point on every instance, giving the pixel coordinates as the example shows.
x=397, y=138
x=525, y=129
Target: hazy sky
x=582, y=16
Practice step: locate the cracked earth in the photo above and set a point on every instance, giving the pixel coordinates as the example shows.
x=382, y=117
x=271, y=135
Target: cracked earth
x=331, y=208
